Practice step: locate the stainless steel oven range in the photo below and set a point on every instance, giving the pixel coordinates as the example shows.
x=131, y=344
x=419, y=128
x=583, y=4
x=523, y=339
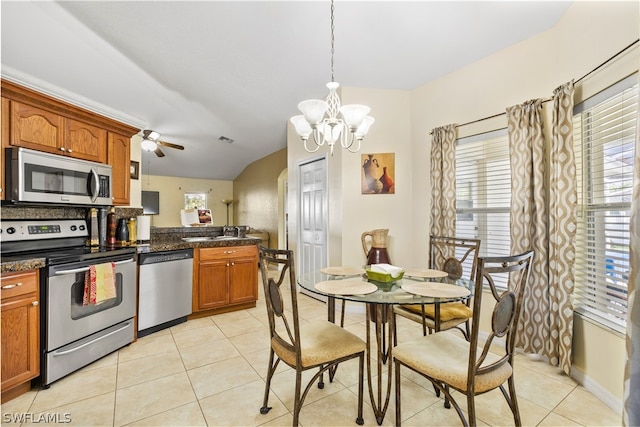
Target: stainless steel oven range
x=73, y=332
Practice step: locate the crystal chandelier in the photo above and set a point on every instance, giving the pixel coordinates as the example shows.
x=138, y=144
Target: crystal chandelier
x=327, y=122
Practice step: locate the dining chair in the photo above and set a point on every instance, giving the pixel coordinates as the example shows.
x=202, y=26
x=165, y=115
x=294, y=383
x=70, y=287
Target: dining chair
x=318, y=344
x=471, y=367
x=452, y=255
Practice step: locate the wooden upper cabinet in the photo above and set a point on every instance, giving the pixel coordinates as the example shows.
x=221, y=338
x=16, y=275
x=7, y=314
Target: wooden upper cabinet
x=85, y=141
x=38, y=129
x=119, y=156
x=40, y=122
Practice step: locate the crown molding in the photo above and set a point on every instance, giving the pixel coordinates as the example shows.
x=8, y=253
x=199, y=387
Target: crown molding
x=23, y=79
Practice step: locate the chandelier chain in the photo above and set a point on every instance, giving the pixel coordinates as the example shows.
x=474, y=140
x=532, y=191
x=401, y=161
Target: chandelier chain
x=327, y=122
x=332, y=42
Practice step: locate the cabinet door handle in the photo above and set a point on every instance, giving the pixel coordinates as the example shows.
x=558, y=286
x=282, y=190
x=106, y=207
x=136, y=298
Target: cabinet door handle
x=69, y=150
x=229, y=252
x=12, y=286
x=62, y=149
x=35, y=303
x=233, y=263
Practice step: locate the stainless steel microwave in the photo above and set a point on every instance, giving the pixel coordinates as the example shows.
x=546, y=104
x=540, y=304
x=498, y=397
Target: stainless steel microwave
x=37, y=177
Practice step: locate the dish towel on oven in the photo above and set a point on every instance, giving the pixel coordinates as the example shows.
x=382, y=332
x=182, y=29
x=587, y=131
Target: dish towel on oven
x=99, y=284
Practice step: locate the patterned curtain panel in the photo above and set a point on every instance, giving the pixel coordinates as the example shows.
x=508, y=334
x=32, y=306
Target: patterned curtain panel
x=562, y=229
x=528, y=217
x=631, y=412
x=443, y=181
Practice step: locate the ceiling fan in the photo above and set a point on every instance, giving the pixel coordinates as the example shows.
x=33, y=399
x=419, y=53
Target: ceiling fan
x=150, y=142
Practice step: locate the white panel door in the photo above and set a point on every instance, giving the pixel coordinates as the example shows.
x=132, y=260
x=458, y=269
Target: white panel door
x=313, y=217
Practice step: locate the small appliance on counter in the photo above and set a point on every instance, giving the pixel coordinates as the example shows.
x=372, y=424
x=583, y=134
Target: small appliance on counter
x=143, y=229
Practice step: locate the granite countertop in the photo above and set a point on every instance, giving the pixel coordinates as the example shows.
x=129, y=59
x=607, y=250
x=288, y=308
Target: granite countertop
x=18, y=263
x=13, y=264
x=174, y=245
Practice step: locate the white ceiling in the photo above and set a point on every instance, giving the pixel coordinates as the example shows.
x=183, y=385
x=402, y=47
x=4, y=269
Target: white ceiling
x=195, y=71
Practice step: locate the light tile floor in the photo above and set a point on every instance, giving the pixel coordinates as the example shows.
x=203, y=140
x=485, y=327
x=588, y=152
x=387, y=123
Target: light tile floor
x=211, y=372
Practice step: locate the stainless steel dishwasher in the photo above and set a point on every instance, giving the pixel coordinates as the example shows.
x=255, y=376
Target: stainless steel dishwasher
x=165, y=286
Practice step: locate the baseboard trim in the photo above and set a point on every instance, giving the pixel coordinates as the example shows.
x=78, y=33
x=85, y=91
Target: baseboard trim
x=597, y=390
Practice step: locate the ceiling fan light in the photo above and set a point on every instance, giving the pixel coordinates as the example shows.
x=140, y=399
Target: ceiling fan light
x=353, y=114
x=313, y=110
x=302, y=126
x=148, y=145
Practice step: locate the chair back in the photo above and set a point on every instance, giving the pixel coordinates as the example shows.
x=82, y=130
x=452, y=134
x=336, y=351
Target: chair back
x=454, y=255
x=515, y=271
x=281, y=298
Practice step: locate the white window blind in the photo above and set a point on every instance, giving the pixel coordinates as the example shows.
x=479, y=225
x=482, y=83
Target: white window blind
x=483, y=191
x=604, y=140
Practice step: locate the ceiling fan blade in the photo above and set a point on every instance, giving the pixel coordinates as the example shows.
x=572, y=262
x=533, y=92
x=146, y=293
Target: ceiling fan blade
x=158, y=152
x=170, y=145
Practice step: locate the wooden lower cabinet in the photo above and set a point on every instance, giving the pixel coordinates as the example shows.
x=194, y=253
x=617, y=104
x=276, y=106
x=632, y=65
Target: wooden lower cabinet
x=20, y=331
x=225, y=278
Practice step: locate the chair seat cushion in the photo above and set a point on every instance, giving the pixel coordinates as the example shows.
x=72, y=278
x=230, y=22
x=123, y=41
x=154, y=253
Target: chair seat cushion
x=448, y=311
x=445, y=357
x=321, y=341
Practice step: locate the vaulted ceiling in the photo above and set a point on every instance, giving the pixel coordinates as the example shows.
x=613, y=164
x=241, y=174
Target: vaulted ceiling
x=197, y=71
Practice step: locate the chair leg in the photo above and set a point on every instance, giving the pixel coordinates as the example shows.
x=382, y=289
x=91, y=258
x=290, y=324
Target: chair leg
x=360, y=419
x=397, y=381
x=471, y=408
x=321, y=380
x=270, y=371
x=296, y=398
x=514, y=402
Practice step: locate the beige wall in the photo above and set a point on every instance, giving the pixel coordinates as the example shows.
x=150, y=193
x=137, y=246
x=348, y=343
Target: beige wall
x=172, y=190
x=135, y=195
x=588, y=34
x=256, y=192
x=532, y=69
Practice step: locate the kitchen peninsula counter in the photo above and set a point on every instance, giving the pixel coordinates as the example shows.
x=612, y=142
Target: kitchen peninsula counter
x=177, y=244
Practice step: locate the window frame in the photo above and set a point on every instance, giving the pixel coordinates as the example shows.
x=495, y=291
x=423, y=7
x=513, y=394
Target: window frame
x=598, y=285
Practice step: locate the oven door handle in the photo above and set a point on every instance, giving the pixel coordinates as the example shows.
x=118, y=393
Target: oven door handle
x=82, y=269
x=71, y=350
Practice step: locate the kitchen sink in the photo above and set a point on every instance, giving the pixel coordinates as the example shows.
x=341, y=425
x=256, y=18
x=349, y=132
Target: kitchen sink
x=197, y=239
x=226, y=238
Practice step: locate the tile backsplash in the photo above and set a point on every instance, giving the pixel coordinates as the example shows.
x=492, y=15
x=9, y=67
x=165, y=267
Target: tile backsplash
x=56, y=212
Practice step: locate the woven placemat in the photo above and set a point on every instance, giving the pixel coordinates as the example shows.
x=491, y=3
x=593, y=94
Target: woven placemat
x=346, y=287
x=436, y=290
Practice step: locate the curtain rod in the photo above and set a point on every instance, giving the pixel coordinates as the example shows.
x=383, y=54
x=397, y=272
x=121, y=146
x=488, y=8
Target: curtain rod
x=549, y=99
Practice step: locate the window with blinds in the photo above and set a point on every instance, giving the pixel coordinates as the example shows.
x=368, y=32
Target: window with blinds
x=604, y=142
x=483, y=191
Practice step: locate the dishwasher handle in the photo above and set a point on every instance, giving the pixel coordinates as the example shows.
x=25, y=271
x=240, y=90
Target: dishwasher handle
x=166, y=256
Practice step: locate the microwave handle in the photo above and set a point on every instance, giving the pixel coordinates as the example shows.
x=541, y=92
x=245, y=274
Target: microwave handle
x=96, y=184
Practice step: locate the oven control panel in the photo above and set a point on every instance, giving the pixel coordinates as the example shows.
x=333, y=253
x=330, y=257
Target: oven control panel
x=17, y=230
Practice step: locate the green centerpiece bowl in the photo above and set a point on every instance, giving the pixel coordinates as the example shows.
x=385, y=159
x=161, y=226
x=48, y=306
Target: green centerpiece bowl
x=383, y=281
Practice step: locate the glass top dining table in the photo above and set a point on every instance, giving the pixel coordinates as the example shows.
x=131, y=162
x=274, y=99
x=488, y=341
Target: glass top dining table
x=379, y=302
x=391, y=294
